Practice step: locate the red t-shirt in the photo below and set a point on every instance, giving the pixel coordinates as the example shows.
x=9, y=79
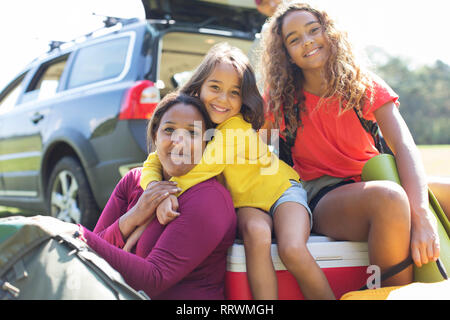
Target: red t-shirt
x=332, y=144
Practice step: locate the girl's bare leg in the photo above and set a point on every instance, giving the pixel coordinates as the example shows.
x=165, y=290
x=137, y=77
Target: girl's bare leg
x=255, y=227
x=375, y=211
x=292, y=230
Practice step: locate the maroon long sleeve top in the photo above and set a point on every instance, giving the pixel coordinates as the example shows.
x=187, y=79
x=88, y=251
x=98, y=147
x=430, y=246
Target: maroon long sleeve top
x=185, y=259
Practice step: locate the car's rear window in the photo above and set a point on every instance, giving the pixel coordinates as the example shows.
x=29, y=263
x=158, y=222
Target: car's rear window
x=46, y=80
x=182, y=52
x=98, y=62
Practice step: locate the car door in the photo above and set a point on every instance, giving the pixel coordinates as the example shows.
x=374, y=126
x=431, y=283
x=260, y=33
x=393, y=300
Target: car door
x=22, y=129
x=8, y=100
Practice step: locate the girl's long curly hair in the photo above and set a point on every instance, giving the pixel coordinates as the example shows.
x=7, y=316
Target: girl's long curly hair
x=346, y=81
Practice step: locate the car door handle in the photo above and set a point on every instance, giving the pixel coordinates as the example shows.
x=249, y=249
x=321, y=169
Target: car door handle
x=35, y=118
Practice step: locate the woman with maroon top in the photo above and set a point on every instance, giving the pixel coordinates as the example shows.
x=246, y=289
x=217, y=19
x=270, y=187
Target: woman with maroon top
x=185, y=259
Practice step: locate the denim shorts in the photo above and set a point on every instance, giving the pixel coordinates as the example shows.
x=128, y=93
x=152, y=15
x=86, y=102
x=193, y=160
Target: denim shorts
x=295, y=193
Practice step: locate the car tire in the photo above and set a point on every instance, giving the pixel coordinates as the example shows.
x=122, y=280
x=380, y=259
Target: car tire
x=69, y=196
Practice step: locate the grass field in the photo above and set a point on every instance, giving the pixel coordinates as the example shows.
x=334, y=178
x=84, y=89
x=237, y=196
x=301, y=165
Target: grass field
x=436, y=160
x=9, y=211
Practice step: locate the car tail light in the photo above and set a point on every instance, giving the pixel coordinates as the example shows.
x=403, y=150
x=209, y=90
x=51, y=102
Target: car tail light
x=140, y=101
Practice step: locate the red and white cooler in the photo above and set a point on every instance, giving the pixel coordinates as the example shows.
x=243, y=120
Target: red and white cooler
x=344, y=263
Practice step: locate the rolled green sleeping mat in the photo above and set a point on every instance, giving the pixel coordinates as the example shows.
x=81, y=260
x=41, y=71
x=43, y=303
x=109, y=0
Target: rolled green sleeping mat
x=384, y=167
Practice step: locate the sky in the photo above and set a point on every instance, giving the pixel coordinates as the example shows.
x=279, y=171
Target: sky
x=413, y=29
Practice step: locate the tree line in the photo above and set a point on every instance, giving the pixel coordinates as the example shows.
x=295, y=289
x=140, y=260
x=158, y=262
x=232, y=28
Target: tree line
x=424, y=95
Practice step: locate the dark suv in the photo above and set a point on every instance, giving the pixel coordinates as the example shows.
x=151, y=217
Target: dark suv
x=74, y=120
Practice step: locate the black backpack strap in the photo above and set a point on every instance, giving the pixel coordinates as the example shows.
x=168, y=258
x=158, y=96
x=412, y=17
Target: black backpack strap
x=290, y=137
x=441, y=269
x=403, y=265
x=372, y=128
x=393, y=270
x=287, y=140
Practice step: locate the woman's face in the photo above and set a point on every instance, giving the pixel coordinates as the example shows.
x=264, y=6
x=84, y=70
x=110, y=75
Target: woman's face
x=221, y=93
x=305, y=40
x=179, y=139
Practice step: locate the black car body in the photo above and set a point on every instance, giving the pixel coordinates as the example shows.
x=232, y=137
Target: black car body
x=74, y=121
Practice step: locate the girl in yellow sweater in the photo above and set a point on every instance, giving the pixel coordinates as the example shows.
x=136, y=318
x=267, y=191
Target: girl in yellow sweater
x=265, y=190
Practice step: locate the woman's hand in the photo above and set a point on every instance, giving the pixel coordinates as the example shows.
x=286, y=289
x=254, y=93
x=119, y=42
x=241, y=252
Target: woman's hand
x=145, y=208
x=55, y=226
x=167, y=210
x=134, y=237
x=151, y=198
x=425, y=245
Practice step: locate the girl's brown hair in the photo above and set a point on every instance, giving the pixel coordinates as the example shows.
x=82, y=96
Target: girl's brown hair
x=165, y=104
x=346, y=82
x=252, y=103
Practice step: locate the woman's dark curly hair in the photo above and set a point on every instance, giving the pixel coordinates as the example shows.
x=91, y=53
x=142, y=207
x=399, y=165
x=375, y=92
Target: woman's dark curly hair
x=346, y=81
x=252, y=103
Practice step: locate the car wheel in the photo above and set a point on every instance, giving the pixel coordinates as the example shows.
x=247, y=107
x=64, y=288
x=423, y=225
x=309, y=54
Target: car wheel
x=69, y=196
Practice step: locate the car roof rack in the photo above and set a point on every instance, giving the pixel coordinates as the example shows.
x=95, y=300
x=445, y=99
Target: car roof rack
x=55, y=45
x=112, y=21
x=108, y=22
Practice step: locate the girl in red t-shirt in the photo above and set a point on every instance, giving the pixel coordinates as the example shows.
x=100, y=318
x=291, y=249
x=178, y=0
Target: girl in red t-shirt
x=313, y=83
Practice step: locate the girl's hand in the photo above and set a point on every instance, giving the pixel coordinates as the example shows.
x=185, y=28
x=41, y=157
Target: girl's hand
x=425, y=244
x=166, y=210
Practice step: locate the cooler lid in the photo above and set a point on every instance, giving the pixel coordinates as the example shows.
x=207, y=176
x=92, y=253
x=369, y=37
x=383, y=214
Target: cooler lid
x=327, y=252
